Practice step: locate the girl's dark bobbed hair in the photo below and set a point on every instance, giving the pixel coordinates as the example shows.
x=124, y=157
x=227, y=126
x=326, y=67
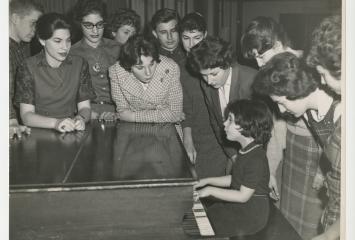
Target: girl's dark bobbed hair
x=137, y=46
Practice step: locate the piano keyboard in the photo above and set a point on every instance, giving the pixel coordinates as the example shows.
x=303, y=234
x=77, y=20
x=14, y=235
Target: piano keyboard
x=201, y=218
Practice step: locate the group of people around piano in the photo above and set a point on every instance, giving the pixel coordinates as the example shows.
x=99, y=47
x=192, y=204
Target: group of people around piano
x=176, y=73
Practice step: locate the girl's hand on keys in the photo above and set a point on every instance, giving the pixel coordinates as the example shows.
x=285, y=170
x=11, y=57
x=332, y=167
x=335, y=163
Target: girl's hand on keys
x=201, y=183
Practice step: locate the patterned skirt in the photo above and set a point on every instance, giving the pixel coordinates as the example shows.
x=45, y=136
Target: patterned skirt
x=300, y=203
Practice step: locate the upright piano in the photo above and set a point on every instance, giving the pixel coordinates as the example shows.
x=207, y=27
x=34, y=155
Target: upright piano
x=112, y=181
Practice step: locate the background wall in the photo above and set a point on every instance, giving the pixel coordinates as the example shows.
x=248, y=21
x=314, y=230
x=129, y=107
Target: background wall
x=298, y=17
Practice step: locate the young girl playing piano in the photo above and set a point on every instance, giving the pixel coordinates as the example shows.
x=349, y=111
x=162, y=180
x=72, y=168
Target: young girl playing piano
x=238, y=204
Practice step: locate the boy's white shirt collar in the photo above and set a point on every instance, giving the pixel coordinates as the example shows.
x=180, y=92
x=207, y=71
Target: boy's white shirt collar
x=227, y=85
x=224, y=92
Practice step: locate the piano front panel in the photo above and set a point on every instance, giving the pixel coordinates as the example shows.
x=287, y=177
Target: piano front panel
x=128, y=213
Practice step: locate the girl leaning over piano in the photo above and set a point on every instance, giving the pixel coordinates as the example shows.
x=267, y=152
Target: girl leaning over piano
x=238, y=204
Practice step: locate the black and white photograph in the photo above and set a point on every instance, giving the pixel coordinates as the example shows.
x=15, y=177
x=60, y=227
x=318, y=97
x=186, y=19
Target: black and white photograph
x=177, y=120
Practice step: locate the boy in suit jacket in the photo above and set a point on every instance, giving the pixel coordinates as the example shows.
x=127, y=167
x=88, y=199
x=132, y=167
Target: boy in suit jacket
x=224, y=81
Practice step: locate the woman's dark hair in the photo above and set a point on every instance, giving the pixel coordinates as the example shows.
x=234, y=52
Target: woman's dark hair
x=254, y=117
x=262, y=34
x=85, y=7
x=136, y=47
x=164, y=15
x=124, y=16
x=326, y=46
x=49, y=22
x=193, y=22
x=211, y=53
x=286, y=75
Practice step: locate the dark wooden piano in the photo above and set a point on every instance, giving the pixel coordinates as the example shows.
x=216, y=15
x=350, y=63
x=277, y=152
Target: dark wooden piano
x=130, y=181
x=111, y=181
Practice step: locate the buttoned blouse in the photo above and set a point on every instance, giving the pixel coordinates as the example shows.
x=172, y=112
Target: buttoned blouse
x=99, y=60
x=160, y=102
x=54, y=92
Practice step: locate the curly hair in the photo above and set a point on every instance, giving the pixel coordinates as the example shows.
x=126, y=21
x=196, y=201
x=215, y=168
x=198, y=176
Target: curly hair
x=135, y=47
x=49, y=22
x=193, y=21
x=254, y=117
x=85, y=7
x=326, y=46
x=124, y=16
x=286, y=75
x=211, y=52
x=164, y=15
x=261, y=34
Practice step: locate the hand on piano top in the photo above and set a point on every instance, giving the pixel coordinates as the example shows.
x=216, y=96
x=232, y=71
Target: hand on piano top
x=108, y=117
x=64, y=125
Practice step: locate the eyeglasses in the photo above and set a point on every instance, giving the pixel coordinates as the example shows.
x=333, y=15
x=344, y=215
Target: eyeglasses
x=90, y=25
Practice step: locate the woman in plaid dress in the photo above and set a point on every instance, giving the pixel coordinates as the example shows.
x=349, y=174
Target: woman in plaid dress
x=296, y=89
x=299, y=201
x=145, y=86
x=325, y=57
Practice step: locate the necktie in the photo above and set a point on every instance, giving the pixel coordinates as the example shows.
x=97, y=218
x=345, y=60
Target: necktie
x=222, y=99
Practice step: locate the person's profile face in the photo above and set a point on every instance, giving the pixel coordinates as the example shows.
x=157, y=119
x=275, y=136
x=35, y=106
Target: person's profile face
x=123, y=33
x=144, y=70
x=328, y=79
x=57, y=47
x=263, y=58
x=26, y=25
x=232, y=129
x=191, y=38
x=295, y=107
x=92, y=26
x=215, y=77
x=167, y=34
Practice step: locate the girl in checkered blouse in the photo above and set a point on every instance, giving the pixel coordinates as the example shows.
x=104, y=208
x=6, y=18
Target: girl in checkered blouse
x=145, y=86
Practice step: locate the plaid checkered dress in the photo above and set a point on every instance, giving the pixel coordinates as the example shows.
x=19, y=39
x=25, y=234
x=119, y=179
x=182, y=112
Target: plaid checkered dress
x=300, y=203
x=160, y=102
x=329, y=135
x=333, y=152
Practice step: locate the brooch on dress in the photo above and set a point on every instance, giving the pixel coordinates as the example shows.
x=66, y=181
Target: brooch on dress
x=166, y=72
x=97, y=67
